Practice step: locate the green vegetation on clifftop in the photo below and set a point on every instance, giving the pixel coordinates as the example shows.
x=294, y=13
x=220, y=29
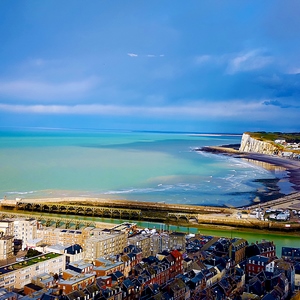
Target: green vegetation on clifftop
x=272, y=136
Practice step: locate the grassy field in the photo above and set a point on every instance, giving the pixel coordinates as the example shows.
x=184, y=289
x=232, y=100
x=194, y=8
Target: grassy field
x=272, y=136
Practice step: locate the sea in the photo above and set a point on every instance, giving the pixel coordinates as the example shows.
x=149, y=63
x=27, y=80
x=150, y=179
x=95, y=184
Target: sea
x=129, y=165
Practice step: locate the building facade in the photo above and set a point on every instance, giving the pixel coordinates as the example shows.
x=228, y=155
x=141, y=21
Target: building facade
x=105, y=244
x=25, y=230
x=18, y=274
x=6, y=239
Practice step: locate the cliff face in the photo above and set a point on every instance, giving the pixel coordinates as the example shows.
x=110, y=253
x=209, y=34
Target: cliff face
x=249, y=144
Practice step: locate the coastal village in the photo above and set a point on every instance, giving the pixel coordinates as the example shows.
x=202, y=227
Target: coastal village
x=134, y=159
x=125, y=262
x=44, y=261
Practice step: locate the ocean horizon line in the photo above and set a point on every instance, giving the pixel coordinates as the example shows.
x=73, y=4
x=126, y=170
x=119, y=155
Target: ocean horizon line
x=37, y=128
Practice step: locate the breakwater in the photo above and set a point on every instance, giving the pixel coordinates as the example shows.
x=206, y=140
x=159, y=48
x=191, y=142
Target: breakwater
x=157, y=212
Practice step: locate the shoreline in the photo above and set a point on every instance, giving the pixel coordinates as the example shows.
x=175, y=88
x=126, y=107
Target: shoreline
x=291, y=168
x=271, y=192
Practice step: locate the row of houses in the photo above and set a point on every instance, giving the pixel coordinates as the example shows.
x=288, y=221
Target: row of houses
x=156, y=265
x=170, y=275
x=96, y=242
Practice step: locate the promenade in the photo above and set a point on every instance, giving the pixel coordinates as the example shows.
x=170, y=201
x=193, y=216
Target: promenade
x=162, y=212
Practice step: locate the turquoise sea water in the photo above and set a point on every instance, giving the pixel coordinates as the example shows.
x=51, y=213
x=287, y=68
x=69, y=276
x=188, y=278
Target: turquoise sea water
x=141, y=166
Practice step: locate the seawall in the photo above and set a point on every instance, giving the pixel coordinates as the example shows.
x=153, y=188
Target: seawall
x=168, y=213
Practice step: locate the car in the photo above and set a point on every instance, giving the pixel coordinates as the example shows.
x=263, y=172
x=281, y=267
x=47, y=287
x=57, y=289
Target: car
x=18, y=259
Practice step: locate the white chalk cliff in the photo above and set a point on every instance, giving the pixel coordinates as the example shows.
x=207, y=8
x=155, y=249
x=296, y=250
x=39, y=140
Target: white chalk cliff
x=249, y=144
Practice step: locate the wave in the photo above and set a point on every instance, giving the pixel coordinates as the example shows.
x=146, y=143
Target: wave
x=162, y=188
x=20, y=193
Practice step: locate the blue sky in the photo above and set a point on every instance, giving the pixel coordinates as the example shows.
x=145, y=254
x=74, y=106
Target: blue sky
x=201, y=66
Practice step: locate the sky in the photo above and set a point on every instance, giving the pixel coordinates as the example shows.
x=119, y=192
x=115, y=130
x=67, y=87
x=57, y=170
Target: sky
x=198, y=65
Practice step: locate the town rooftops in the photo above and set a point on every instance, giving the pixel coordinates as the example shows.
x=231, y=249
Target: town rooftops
x=76, y=278
x=57, y=247
x=258, y=258
x=73, y=249
x=106, y=264
x=81, y=264
x=43, y=278
x=5, y=294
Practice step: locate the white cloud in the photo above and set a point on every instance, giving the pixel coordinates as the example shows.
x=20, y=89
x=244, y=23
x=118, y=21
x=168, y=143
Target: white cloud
x=38, y=90
x=132, y=54
x=293, y=71
x=234, y=63
x=145, y=55
x=202, y=59
x=248, y=61
x=255, y=110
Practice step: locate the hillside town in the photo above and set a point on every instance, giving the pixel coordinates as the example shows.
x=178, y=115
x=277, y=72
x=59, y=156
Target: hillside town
x=124, y=262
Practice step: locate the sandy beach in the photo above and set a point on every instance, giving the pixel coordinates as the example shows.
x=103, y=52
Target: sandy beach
x=292, y=166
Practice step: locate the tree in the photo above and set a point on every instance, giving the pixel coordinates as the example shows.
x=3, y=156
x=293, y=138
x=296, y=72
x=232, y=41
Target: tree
x=32, y=253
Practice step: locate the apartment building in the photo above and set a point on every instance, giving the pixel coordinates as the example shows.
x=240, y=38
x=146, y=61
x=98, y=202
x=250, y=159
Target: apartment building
x=159, y=243
x=72, y=253
x=25, y=230
x=6, y=239
x=238, y=250
x=53, y=236
x=18, y=274
x=6, y=247
x=142, y=241
x=177, y=241
x=109, y=243
x=7, y=227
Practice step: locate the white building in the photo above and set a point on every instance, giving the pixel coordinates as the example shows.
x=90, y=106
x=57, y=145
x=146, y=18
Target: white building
x=280, y=141
x=25, y=230
x=18, y=274
x=7, y=227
